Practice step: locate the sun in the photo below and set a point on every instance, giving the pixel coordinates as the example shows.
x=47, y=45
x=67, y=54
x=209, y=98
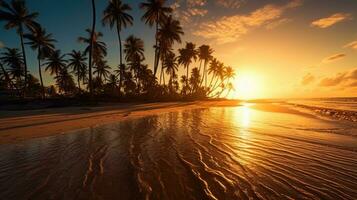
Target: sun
x=247, y=86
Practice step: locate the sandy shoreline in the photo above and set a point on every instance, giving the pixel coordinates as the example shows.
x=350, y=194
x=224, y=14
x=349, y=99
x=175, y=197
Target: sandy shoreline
x=17, y=126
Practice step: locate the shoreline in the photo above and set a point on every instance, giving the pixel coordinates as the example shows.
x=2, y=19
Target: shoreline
x=16, y=126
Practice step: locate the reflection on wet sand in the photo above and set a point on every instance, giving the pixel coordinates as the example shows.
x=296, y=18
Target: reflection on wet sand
x=215, y=153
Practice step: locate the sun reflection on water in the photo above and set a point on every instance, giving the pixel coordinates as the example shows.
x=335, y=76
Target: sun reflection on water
x=245, y=119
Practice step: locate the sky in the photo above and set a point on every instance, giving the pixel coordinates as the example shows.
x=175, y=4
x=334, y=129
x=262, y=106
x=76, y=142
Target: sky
x=279, y=48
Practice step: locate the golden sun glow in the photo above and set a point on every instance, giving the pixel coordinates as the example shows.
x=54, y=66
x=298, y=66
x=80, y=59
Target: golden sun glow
x=246, y=86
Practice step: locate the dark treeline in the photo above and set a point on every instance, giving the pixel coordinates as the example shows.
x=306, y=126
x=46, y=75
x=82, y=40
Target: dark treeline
x=85, y=72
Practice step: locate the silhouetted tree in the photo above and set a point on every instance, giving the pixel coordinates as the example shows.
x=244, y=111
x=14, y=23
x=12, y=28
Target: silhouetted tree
x=18, y=16
x=155, y=13
x=55, y=62
x=42, y=42
x=102, y=70
x=205, y=55
x=116, y=14
x=134, y=54
x=79, y=66
x=169, y=33
x=187, y=56
x=64, y=81
x=13, y=59
x=171, y=65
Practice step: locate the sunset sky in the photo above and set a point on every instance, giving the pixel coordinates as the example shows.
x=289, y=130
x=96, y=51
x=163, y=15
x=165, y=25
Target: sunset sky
x=279, y=48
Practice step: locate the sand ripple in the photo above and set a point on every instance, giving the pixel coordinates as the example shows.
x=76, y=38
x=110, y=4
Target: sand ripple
x=216, y=153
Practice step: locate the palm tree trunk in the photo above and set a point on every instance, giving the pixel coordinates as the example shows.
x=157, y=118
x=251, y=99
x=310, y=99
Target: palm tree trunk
x=120, y=58
x=39, y=71
x=24, y=57
x=212, y=78
x=91, y=49
x=7, y=78
x=187, y=66
x=205, y=71
x=78, y=80
x=199, y=71
x=229, y=91
x=156, y=43
x=160, y=77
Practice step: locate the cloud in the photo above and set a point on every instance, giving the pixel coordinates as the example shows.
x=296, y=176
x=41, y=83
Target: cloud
x=335, y=57
x=331, y=20
x=230, y=28
x=333, y=81
x=343, y=79
x=275, y=24
x=189, y=10
x=352, y=45
x=233, y=4
x=2, y=45
x=194, y=3
x=308, y=79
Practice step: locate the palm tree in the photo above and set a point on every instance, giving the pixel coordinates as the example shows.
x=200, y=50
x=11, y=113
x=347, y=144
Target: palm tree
x=12, y=57
x=17, y=16
x=228, y=74
x=99, y=48
x=155, y=13
x=96, y=50
x=213, y=70
x=205, y=55
x=185, y=86
x=171, y=65
x=91, y=46
x=187, y=56
x=116, y=14
x=195, y=79
x=102, y=70
x=4, y=74
x=169, y=33
x=42, y=42
x=79, y=66
x=134, y=54
x=133, y=47
x=64, y=81
x=55, y=62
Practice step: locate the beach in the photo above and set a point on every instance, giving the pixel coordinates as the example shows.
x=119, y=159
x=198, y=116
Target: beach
x=19, y=125
x=192, y=150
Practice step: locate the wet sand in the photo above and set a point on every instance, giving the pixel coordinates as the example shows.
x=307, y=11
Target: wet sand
x=206, y=151
x=22, y=125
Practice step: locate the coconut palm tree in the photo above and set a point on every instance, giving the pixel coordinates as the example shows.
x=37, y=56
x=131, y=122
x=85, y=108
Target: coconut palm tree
x=155, y=13
x=169, y=33
x=171, y=65
x=12, y=57
x=64, y=81
x=116, y=14
x=133, y=47
x=99, y=50
x=134, y=54
x=42, y=42
x=79, y=66
x=102, y=70
x=18, y=16
x=187, y=56
x=225, y=84
x=213, y=70
x=205, y=55
x=5, y=75
x=225, y=74
x=195, y=79
x=55, y=62
x=91, y=47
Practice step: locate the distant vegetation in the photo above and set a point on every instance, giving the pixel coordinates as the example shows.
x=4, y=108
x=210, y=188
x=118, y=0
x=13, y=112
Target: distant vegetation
x=85, y=72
